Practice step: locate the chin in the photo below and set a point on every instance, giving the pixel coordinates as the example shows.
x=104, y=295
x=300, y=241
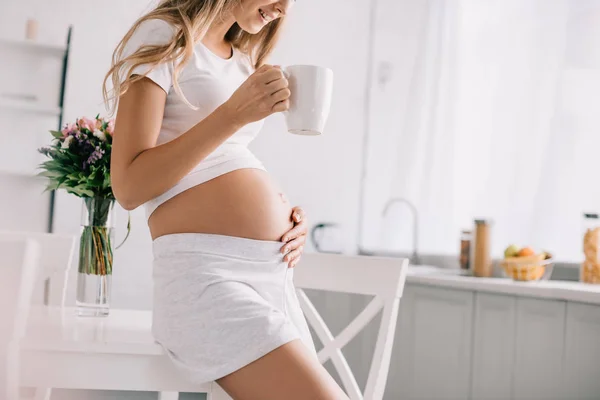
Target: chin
x=251, y=28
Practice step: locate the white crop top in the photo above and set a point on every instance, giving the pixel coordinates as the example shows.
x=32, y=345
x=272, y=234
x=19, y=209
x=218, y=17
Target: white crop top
x=207, y=81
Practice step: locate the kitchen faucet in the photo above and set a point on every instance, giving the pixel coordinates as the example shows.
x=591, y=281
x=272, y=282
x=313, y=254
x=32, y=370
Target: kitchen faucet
x=414, y=259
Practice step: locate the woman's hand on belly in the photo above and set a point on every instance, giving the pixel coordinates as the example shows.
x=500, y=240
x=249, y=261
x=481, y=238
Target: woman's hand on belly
x=296, y=238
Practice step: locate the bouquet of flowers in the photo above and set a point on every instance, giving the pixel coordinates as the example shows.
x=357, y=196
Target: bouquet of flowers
x=80, y=159
x=79, y=162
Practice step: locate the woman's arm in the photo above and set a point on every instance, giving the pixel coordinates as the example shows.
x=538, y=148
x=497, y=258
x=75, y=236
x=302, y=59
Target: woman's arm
x=141, y=171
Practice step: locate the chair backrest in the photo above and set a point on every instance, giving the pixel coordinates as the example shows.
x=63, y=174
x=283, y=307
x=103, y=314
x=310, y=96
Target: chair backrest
x=382, y=278
x=19, y=264
x=55, y=263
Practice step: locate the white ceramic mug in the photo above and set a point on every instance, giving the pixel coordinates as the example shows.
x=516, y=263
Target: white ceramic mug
x=310, y=101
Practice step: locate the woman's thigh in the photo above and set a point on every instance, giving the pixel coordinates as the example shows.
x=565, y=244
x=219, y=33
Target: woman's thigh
x=290, y=372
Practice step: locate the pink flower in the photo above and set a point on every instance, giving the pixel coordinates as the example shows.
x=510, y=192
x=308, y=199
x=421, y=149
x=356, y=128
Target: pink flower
x=86, y=123
x=68, y=129
x=91, y=124
x=110, y=128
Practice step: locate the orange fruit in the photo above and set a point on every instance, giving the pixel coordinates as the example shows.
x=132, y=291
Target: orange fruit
x=526, y=251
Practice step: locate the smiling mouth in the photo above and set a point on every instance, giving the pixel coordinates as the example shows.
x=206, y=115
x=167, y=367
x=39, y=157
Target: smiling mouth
x=264, y=16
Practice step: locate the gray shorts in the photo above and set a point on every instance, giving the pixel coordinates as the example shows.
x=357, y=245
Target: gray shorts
x=222, y=302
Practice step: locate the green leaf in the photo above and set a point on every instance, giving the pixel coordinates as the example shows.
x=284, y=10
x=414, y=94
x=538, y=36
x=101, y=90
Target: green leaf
x=51, y=164
x=106, y=184
x=52, y=185
x=80, y=191
x=57, y=134
x=73, y=176
x=75, y=159
x=51, y=174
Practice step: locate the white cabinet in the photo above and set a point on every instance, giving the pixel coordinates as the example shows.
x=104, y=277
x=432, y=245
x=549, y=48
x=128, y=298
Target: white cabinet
x=432, y=352
x=493, y=346
x=461, y=344
x=582, y=351
x=539, y=347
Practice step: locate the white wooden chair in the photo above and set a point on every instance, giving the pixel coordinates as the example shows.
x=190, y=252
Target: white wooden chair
x=137, y=363
x=19, y=263
x=51, y=279
x=382, y=278
x=57, y=252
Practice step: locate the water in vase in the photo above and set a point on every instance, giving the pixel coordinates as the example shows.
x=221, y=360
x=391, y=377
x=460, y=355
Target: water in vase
x=93, y=295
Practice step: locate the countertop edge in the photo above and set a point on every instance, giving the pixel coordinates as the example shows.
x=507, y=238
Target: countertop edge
x=556, y=290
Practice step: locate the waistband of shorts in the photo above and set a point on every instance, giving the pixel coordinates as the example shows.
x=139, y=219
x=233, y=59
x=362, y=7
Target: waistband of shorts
x=206, y=243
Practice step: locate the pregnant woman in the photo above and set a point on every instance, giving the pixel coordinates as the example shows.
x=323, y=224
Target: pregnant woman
x=192, y=89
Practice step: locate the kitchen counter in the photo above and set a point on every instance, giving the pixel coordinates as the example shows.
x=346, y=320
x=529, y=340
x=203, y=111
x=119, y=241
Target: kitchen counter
x=551, y=289
x=481, y=338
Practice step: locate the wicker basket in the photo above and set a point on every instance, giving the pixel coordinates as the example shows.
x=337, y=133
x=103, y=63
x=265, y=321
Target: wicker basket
x=529, y=268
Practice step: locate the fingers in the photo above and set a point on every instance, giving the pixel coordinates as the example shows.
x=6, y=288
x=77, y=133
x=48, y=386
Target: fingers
x=277, y=85
x=292, y=258
x=298, y=230
x=295, y=239
x=271, y=75
x=294, y=244
x=298, y=214
x=295, y=262
x=281, y=95
x=281, y=106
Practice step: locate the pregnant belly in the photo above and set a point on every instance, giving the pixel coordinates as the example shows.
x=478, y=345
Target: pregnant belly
x=243, y=203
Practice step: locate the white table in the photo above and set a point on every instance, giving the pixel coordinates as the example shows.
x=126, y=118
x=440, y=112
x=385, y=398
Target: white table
x=118, y=352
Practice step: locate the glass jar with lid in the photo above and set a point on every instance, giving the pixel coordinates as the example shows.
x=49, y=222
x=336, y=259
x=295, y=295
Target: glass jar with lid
x=466, y=237
x=590, y=268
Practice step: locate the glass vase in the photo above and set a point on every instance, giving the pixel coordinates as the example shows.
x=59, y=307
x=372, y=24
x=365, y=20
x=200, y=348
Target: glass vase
x=95, y=257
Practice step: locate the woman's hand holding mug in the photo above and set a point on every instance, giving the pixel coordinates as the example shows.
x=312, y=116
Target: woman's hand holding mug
x=302, y=92
x=265, y=92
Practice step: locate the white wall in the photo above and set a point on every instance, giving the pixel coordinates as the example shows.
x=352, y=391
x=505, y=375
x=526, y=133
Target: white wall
x=321, y=174
x=461, y=92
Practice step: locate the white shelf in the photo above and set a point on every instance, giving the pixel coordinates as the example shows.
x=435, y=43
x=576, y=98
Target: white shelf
x=33, y=47
x=29, y=107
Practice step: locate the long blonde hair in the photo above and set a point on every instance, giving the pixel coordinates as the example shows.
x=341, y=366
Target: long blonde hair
x=190, y=19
